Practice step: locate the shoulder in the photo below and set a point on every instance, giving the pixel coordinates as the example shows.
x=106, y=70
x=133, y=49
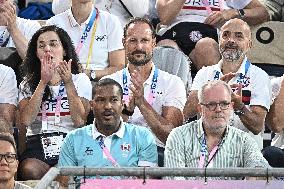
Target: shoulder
x=169, y=78
x=79, y=77
x=80, y=133
x=6, y=69
x=22, y=22
x=58, y=17
x=19, y=185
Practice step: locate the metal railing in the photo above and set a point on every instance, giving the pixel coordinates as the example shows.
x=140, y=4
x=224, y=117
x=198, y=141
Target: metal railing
x=158, y=172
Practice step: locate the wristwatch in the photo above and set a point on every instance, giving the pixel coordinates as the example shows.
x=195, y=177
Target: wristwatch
x=93, y=75
x=241, y=13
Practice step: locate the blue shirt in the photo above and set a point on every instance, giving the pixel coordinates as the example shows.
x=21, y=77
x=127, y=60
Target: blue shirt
x=130, y=146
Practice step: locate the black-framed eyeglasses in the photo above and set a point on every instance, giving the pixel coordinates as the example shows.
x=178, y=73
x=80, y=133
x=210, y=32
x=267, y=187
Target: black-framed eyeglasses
x=213, y=105
x=10, y=158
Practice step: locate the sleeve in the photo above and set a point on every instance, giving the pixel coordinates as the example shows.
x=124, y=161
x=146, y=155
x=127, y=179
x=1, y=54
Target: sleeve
x=138, y=8
x=238, y=4
x=59, y=6
x=274, y=8
x=148, y=155
x=84, y=87
x=9, y=90
x=174, y=150
x=260, y=90
x=22, y=93
x=31, y=27
x=67, y=155
x=176, y=96
x=275, y=87
x=199, y=79
x=115, y=33
x=252, y=155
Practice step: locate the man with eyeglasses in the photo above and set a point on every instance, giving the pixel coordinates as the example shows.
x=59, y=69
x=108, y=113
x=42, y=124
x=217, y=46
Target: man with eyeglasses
x=9, y=163
x=211, y=141
x=251, y=85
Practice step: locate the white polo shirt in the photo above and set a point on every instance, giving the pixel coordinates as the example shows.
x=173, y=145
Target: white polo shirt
x=108, y=36
x=170, y=91
x=256, y=81
x=8, y=86
x=26, y=26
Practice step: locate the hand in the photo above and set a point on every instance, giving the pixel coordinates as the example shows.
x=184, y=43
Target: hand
x=218, y=18
x=137, y=88
x=237, y=96
x=64, y=70
x=8, y=12
x=47, y=68
x=227, y=77
x=88, y=72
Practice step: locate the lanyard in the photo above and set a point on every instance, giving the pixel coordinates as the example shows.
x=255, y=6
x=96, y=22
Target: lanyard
x=93, y=20
x=107, y=152
x=208, y=8
x=3, y=42
x=57, y=109
x=212, y=154
x=241, y=76
x=151, y=95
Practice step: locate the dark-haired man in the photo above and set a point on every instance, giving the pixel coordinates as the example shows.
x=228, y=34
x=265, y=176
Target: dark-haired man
x=153, y=98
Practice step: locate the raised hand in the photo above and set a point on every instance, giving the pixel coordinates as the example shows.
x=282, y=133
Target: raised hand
x=47, y=68
x=8, y=13
x=227, y=77
x=137, y=88
x=237, y=96
x=64, y=70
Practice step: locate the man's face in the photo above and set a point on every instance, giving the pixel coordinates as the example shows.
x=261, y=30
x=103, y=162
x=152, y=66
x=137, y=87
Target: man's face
x=7, y=170
x=107, y=106
x=235, y=40
x=216, y=119
x=139, y=44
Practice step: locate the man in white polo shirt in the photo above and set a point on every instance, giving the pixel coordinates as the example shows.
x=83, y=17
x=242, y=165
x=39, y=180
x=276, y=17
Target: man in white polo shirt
x=153, y=98
x=97, y=36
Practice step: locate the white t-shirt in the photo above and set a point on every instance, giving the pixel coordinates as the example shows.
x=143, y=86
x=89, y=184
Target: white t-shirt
x=170, y=91
x=83, y=87
x=8, y=86
x=256, y=81
x=138, y=8
x=278, y=139
x=27, y=27
x=195, y=11
x=108, y=36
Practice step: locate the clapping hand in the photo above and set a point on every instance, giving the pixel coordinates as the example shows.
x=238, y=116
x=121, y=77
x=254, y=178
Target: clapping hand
x=47, y=68
x=64, y=70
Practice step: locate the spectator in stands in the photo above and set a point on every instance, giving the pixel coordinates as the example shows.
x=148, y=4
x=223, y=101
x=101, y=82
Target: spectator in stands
x=186, y=22
x=211, y=141
x=99, y=47
x=54, y=98
x=251, y=84
x=108, y=142
x=9, y=163
x=275, y=9
x=123, y=9
x=153, y=98
x=274, y=154
x=8, y=93
x=15, y=31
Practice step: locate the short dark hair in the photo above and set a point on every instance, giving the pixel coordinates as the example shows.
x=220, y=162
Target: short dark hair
x=105, y=82
x=139, y=20
x=8, y=138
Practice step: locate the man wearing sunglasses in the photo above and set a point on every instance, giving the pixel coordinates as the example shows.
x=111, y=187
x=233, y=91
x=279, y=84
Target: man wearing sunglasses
x=211, y=141
x=9, y=163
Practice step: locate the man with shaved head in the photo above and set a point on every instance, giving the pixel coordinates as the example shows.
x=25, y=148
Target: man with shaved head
x=251, y=85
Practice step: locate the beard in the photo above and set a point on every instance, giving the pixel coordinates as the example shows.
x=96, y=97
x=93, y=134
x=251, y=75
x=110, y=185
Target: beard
x=231, y=56
x=139, y=62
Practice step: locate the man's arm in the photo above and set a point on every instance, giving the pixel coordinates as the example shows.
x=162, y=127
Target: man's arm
x=190, y=108
x=255, y=13
x=275, y=116
x=169, y=9
x=8, y=112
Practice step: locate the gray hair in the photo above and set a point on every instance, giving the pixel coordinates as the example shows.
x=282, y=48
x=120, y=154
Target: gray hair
x=211, y=84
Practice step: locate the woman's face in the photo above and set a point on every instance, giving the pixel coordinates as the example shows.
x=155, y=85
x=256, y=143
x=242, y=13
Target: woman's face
x=49, y=42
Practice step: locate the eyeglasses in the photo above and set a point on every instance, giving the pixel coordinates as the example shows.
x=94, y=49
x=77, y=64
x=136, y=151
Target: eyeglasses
x=10, y=158
x=213, y=105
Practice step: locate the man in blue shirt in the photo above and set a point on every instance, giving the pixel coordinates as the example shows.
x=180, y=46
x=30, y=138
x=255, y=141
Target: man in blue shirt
x=108, y=142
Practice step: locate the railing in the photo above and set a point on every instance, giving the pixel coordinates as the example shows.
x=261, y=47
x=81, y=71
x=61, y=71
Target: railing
x=159, y=172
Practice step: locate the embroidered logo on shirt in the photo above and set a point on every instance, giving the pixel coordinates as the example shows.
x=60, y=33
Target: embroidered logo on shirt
x=88, y=151
x=101, y=38
x=125, y=148
x=195, y=36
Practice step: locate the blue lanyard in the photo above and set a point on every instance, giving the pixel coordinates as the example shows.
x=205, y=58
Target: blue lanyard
x=151, y=96
x=3, y=42
x=87, y=29
x=241, y=76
